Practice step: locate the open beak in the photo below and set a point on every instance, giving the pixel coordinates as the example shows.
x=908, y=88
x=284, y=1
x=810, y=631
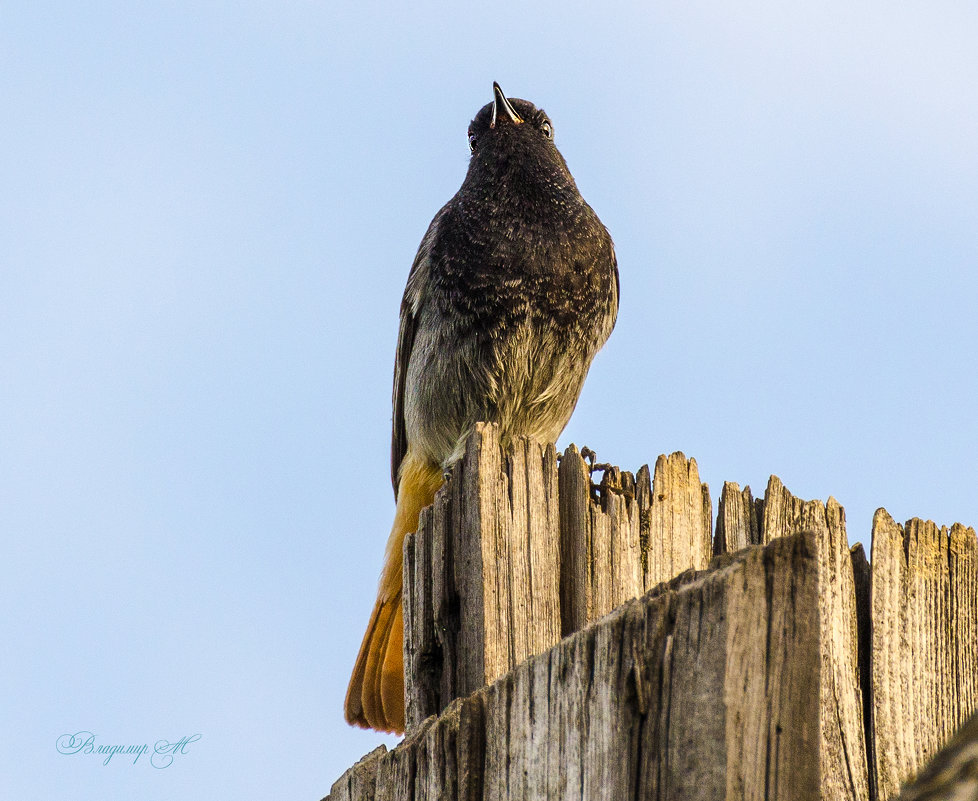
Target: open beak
x=500, y=105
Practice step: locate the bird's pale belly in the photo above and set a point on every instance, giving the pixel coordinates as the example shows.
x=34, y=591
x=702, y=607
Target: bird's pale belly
x=528, y=383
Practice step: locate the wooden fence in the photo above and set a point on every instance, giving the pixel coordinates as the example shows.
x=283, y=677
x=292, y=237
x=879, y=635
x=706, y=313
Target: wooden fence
x=566, y=640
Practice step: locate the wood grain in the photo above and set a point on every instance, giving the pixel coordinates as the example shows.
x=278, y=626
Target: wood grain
x=842, y=745
x=925, y=642
x=737, y=524
x=482, y=573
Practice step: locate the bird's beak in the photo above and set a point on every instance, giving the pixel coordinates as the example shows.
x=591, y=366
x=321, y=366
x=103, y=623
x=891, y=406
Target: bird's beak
x=500, y=103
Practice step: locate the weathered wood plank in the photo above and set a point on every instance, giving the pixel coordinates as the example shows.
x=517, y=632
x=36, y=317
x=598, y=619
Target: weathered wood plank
x=737, y=524
x=576, y=545
x=622, y=569
x=482, y=573
x=842, y=745
x=681, y=530
x=925, y=642
x=772, y=684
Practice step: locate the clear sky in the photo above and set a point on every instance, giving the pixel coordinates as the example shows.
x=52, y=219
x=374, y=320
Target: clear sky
x=207, y=215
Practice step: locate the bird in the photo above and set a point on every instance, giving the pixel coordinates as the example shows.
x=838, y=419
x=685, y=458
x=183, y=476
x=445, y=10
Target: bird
x=512, y=292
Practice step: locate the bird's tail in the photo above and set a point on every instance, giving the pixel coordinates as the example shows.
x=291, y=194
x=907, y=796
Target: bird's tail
x=375, y=697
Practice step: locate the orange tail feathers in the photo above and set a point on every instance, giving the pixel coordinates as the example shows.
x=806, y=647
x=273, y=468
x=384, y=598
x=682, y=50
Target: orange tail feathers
x=375, y=698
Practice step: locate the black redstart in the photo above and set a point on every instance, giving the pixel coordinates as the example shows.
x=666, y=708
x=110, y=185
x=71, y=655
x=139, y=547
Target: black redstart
x=512, y=292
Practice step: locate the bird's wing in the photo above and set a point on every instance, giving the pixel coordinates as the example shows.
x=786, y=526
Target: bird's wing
x=414, y=294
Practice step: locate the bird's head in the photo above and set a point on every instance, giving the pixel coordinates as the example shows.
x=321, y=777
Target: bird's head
x=509, y=132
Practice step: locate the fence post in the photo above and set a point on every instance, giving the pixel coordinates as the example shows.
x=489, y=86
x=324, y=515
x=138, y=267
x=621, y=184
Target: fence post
x=788, y=669
x=482, y=573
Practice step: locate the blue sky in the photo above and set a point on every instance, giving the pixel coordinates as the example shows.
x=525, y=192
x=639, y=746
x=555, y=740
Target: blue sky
x=208, y=214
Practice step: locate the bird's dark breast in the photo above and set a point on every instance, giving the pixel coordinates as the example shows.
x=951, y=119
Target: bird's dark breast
x=521, y=302
x=491, y=274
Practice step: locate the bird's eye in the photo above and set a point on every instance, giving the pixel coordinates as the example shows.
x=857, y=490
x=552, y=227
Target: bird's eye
x=471, y=142
x=547, y=128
